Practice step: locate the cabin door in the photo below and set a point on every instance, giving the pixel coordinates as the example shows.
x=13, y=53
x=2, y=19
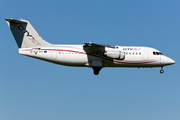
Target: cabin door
x=145, y=55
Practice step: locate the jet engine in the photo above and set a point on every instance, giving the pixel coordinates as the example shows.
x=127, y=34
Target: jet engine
x=115, y=54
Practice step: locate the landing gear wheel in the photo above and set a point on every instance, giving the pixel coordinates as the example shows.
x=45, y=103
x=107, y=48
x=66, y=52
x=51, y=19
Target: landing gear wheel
x=96, y=70
x=161, y=71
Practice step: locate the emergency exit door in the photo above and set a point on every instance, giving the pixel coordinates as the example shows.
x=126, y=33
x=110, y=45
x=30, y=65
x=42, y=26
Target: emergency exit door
x=54, y=54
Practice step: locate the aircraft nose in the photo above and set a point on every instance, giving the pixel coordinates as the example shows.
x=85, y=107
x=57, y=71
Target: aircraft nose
x=171, y=61
x=168, y=61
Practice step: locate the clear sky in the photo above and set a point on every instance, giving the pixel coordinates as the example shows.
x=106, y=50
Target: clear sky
x=32, y=89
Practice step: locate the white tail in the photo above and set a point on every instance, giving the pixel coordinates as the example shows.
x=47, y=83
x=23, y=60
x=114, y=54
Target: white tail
x=25, y=34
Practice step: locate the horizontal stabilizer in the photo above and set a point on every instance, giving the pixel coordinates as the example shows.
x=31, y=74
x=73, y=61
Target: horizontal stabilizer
x=16, y=21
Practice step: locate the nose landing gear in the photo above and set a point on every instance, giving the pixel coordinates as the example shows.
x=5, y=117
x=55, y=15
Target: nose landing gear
x=162, y=71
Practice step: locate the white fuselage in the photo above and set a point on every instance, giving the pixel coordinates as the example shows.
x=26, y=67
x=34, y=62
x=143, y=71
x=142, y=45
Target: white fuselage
x=75, y=55
x=92, y=55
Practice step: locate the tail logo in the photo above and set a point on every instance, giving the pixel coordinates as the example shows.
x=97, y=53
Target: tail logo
x=30, y=37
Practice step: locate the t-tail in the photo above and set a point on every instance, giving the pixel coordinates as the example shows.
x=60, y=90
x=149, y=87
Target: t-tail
x=25, y=34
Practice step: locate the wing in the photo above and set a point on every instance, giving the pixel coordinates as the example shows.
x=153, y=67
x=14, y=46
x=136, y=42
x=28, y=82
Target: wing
x=97, y=50
x=97, y=45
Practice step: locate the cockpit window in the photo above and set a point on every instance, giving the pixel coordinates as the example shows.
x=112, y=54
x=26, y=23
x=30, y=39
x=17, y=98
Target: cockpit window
x=157, y=53
x=160, y=53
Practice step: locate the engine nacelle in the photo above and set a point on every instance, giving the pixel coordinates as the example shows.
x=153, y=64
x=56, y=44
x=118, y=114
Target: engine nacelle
x=115, y=54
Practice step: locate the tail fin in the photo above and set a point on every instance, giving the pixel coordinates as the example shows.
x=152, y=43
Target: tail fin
x=25, y=35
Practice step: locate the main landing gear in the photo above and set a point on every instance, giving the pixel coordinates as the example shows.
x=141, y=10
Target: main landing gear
x=96, y=70
x=162, y=71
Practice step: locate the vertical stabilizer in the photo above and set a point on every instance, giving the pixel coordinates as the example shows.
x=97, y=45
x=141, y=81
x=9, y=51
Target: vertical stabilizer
x=25, y=34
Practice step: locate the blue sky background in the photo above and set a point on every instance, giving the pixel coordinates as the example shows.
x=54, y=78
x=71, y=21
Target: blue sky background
x=32, y=89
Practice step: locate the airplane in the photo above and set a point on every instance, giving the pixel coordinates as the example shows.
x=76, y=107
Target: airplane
x=95, y=56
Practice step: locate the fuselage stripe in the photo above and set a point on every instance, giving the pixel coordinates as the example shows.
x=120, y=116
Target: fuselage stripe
x=134, y=62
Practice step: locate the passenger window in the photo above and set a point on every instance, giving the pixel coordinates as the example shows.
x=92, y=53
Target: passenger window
x=133, y=53
x=126, y=53
x=139, y=53
x=129, y=53
x=136, y=53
